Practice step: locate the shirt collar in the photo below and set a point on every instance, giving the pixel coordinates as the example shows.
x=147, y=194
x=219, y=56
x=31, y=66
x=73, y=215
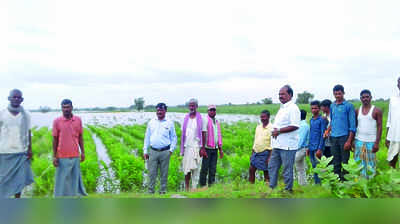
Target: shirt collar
x=65, y=119
x=287, y=104
x=163, y=120
x=344, y=102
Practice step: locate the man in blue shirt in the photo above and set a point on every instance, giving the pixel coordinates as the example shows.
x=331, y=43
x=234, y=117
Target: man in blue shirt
x=343, y=128
x=316, y=143
x=300, y=160
x=161, y=139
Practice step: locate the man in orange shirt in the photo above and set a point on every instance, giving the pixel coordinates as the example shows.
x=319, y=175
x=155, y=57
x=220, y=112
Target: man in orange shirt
x=68, y=147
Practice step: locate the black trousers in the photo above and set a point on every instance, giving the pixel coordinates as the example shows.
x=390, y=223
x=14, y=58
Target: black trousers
x=209, y=167
x=339, y=155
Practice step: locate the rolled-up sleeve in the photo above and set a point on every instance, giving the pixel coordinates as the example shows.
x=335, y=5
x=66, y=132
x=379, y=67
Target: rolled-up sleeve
x=323, y=125
x=55, y=131
x=389, y=119
x=352, y=118
x=173, y=137
x=294, y=116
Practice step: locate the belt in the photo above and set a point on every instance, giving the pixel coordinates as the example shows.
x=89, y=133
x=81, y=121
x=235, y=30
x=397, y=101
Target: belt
x=162, y=149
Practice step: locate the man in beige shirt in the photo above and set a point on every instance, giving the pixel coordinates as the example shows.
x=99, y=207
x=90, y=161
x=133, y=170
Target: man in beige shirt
x=261, y=148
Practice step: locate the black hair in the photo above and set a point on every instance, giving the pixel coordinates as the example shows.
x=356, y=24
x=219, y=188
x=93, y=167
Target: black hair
x=266, y=112
x=289, y=90
x=326, y=103
x=338, y=88
x=365, y=91
x=66, y=102
x=303, y=114
x=162, y=106
x=315, y=103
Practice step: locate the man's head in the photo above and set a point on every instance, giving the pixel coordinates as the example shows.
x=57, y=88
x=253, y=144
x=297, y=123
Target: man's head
x=315, y=107
x=326, y=105
x=15, y=98
x=161, y=111
x=338, y=92
x=303, y=114
x=193, y=104
x=285, y=94
x=212, y=111
x=264, y=116
x=66, y=107
x=366, y=97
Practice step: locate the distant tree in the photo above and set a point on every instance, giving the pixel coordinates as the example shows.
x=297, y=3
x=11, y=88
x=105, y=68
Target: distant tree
x=304, y=98
x=139, y=103
x=267, y=100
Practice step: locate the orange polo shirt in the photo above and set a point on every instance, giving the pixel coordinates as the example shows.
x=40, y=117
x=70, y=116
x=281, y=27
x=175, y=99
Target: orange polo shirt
x=67, y=131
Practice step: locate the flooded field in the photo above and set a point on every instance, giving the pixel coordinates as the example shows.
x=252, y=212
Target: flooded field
x=128, y=118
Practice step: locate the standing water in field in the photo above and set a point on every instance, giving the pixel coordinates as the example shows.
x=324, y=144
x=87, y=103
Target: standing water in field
x=107, y=181
x=129, y=118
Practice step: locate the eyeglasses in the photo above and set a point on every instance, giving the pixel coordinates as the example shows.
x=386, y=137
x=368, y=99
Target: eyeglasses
x=212, y=109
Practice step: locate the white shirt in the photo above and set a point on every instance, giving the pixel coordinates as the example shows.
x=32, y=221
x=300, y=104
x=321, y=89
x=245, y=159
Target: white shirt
x=393, y=121
x=288, y=115
x=160, y=134
x=191, y=134
x=10, y=132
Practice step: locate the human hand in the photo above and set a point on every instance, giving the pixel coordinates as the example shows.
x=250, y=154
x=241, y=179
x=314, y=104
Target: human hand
x=347, y=146
x=375, y=148
x=387, y=143
x=55, y=162
x=319, y=153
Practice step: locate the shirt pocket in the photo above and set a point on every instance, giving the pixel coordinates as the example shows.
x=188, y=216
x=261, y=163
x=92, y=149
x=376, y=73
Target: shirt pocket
x=76, y=130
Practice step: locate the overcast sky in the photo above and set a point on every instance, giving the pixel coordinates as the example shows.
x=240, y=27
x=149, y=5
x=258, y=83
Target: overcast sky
x=108, y=52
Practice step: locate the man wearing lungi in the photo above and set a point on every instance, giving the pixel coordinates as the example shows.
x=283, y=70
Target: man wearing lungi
x=15, y=147
x=368, y=134
x=68, y=151
x=261, y=148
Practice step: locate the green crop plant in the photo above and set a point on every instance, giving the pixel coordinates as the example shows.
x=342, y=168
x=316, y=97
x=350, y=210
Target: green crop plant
x=90, y=167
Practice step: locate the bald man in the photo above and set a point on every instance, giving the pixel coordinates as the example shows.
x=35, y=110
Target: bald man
x=15, y=147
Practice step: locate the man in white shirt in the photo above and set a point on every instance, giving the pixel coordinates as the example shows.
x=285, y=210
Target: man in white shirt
x=161, y=139
x=285, y=139
x=15, y=147
x=393, y=129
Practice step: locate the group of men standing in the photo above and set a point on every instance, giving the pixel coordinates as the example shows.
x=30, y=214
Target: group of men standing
x=284, y=143
x=201, y=141
x=290, y=139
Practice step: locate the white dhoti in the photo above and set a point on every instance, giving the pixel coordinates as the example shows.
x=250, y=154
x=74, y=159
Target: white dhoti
x=191, y=163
